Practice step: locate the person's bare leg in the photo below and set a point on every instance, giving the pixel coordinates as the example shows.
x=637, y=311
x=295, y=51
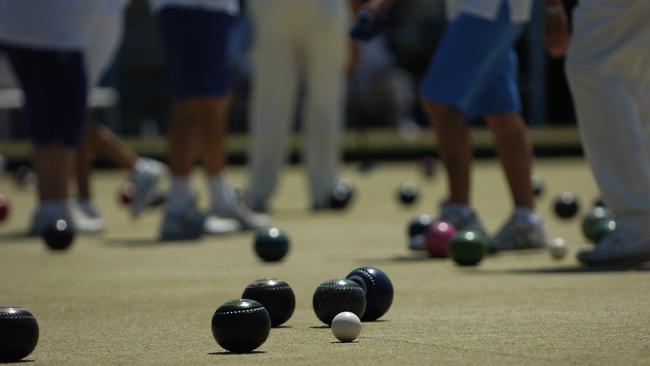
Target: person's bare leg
x=53, y=167
x=83, y=164
x=223, y=199
x=515, y=154
x=183, y=134
x=213, y=142
x=106, y=144
x=455, y=144
x=213, y=135
x=181, y=220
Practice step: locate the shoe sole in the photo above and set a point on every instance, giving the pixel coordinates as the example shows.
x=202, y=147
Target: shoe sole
x=629, y=261
x=194, y=234
x=493, y=250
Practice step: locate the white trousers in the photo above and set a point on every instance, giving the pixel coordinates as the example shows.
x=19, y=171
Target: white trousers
x=103, y=41
x=608, y=67
x=296, y=39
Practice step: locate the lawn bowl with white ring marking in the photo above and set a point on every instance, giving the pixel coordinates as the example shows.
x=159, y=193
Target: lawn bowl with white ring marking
x=378, y=291
x=59, y=236
x=241, y=325
x=275, y=295
x=407, y=193
x=18, y=333
x=336, y=296
x=271, y=245
x=417, y=231
x=342, y=194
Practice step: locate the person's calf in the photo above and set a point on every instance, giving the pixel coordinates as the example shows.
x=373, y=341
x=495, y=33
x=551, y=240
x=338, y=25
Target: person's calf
x=515, y=153
x=454, y=141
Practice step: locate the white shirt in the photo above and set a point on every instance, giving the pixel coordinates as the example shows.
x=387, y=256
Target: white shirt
x=47, y=24
x=227, y=6
x=520, y=10
x=113, y=6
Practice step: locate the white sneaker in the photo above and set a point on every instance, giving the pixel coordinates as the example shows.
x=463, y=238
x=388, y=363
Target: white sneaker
x=247, y=218
x=462, y=217
x=145, y=177
x=215, y=225
x=613, y=250
x=186, y=224
x=86, y=216
x=523, y=230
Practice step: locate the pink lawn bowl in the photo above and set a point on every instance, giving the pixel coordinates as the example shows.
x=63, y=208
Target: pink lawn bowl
x=437, y=240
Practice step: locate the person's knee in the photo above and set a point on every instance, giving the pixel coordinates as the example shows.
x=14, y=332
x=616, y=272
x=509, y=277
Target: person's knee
x=64, y=131
x=439, y=114
x=199, y=109
x=504, y=120
x=55, y=100
x=508, y=125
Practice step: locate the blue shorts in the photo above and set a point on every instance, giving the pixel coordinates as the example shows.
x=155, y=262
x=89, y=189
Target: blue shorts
x=55, y=89
x=195, y=43
x=475, y=67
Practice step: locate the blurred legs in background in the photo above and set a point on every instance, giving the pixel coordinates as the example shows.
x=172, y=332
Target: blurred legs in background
x=54, y=85
x=195, y=42
x=294, y=41
x=102, y=44
x=465, y=82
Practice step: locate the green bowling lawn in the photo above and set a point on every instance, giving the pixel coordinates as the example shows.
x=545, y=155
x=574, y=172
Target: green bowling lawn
x=123, y=298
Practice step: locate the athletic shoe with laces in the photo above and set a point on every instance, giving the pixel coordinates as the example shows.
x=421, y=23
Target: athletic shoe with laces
x=462, y=217
x=186, y=224
x=523, y=230
x=615, y=251
x=86, y=216
x=145, y=177
x=258, y=206
x=246, y=217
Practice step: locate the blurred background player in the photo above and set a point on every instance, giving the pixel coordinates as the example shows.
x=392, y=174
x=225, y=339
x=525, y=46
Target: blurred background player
x=195, y=35
x=297, y=41
x=474, y=74
x=608, y=67
x=380, y=92
x=44, y=40
x=102, y=44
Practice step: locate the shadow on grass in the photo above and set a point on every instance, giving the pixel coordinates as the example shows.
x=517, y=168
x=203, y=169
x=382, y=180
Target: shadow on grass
x=402, y=259
x=339, y=342
x=15, y=235
x=14, y=362
x=376, y=321
x=142, y=243
x=228, y=353
x=283, y=327
x=320, y=327
x=516, y=252
x=565, y=270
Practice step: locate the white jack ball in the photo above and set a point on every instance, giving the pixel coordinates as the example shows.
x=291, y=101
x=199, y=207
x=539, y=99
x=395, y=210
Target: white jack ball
x=558, y=248
x=346, y=326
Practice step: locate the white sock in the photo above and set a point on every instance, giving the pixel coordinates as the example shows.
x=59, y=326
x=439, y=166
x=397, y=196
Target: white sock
x=140, y=164
x=465, y=209
x=526, y=213
x=223, y=197
x=180, y=194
